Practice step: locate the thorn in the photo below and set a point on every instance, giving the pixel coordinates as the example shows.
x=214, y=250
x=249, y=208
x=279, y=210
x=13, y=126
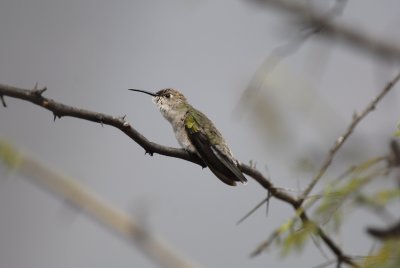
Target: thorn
x=3, y=101
x=122, y=117
x=269, y=195
x=265, y=200
x=55, y=116
x=38, y=92
x=100, y=118
x=148, y=152
x=42, y=90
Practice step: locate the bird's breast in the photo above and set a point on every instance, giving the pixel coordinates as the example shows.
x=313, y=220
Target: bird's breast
x=182, y=136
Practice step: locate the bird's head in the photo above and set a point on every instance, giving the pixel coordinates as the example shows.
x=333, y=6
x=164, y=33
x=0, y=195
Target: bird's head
x=167, y=99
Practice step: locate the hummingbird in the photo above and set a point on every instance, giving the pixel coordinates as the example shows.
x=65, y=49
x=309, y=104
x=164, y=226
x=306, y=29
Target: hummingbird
x=197, y=134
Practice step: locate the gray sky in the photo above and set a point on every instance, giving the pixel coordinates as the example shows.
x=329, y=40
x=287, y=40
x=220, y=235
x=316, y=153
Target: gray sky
x=88, y=53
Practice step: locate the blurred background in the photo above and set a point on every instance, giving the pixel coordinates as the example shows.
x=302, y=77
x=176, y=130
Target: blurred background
x=88, y=53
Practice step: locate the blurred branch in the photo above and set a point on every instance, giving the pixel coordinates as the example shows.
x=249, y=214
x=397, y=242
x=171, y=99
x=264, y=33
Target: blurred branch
x=281, y=52
x=99, y=210
x=334, y=30
x=391, y=232
x=292, y=46
x=394, y=158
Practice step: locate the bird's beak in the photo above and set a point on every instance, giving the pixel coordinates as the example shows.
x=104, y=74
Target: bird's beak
x=144, y=91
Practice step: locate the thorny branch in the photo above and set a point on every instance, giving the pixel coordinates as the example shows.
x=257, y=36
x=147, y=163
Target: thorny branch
x=59, y=110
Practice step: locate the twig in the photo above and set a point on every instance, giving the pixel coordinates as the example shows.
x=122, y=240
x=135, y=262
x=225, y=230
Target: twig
x=342, y=139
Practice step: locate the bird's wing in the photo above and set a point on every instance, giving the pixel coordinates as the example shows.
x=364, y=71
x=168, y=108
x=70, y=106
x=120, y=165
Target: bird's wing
x=224, y=168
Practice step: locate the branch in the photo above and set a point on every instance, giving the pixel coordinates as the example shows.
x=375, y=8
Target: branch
x=108, y=216
x=334, y=30
x=342, y=139
x=59, y=110
x=391, y=232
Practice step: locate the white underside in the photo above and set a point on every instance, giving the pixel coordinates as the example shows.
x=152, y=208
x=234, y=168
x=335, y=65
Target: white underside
x=176, y=119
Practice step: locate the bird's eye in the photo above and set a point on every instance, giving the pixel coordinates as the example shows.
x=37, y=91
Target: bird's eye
x=168, y=96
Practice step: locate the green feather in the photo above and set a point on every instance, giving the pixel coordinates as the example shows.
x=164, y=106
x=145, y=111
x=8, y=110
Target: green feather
x=191, y=123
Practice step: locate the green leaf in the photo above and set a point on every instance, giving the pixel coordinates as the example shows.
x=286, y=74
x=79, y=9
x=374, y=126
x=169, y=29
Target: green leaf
x=380, y=198
x=297, y=239
x=333, y=200
x=385, y=196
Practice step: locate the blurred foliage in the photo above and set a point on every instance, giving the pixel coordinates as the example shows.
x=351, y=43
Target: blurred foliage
x=297, y=238
x=9, y=155
x=397, y=133
x=380, y=198
x=348, y=191
x=388, y=256
x=343, y=190
x=290, y=236
x=334, y=198
x=276, y=101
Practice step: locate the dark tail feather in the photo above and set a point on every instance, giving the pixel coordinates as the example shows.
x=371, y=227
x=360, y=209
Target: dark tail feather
x=219, y=164
x=223, y=177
